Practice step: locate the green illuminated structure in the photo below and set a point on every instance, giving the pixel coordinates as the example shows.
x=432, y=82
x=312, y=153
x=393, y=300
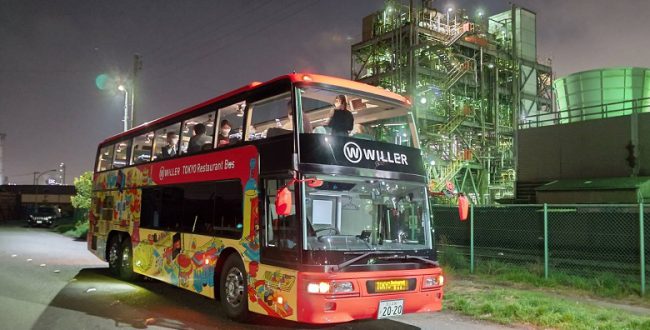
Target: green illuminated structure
x=473, y=80
x=601, y=93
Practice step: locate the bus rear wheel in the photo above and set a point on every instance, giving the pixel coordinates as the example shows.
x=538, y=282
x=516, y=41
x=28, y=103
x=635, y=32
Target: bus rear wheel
x=233, y=288
x=114, y=253
x=126, y=262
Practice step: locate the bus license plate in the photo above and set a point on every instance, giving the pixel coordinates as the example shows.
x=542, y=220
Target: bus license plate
x=39, y=221
x=388, y=308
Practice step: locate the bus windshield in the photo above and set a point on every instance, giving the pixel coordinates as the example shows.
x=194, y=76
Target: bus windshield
x=369, y=117
x=347, y=213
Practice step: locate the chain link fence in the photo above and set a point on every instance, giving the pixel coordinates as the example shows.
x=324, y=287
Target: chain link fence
x=586, y=241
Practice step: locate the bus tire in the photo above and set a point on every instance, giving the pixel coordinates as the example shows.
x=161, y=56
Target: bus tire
x=126, y=261
x=233, y=288
x=113, y=255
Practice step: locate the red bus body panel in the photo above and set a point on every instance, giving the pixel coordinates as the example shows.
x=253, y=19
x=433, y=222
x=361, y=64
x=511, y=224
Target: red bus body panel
x=312, y=307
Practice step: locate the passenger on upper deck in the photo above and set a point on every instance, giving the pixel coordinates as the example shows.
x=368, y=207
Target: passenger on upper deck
x=224, y=133
x=306, y=124
x=169, y=150
x=342, y=120
x=199, y=139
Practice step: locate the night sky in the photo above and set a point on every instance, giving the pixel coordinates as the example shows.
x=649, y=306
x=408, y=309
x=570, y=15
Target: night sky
x=51, y=52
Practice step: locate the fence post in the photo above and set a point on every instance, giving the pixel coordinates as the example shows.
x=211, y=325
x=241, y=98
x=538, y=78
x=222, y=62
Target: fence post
x=471, y=238
x=642, y=248
x=545, y=241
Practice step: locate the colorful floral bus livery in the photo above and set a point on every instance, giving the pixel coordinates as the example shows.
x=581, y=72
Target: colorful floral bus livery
x=354, y=240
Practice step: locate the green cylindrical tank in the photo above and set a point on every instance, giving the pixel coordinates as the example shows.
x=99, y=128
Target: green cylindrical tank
x=602, y=93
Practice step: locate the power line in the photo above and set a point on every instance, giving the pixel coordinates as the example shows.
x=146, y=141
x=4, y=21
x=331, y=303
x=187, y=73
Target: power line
x=19, y=175
x=197, y=28
x=244, y=36
x=229, y=29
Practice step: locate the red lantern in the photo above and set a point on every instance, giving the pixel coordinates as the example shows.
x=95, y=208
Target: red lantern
x=283, y=202
x=463, y=206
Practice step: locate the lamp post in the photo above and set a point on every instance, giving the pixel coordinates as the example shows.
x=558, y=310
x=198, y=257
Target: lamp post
x=122, y=88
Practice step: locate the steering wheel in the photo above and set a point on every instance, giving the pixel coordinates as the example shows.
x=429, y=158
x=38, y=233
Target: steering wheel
x=330, y=229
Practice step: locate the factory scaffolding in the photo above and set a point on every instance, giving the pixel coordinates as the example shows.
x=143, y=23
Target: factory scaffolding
x=472, y=81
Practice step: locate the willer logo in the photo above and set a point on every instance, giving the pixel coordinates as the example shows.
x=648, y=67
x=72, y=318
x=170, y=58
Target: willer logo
x=354, y=154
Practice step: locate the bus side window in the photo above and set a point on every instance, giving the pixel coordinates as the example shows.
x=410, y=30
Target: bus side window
x=270, y=117
x=166, y=142
x=149, y=214
x=229, y=124
x=121, y=154
x=141, y=151
x=162, y=208
x=198, y=208
x=198, y=133
x=105, y=158
x=229, y=209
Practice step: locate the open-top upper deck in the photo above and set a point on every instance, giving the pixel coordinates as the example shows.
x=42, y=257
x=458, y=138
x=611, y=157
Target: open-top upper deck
x=294, y=78
x=378, y=138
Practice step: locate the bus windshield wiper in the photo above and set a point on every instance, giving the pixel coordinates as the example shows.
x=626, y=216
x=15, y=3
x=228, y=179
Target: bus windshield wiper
x=363, y=256
x=423, y=259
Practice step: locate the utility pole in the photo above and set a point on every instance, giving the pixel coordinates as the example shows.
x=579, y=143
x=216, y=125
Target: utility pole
x=137, y=66
x=2, y=175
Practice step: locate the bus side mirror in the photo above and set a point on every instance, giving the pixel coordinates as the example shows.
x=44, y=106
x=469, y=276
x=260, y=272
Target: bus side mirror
x=283, y=202
x=314, y=183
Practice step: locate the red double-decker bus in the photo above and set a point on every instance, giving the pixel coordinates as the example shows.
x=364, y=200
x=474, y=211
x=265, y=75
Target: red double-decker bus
x=302, y=198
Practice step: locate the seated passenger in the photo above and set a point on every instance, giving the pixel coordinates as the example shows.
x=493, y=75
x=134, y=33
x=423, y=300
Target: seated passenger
x=169, y=150
x=306, y=123
x=224, y=133
x=359, y=132
x=342, y=120
x=199, y=139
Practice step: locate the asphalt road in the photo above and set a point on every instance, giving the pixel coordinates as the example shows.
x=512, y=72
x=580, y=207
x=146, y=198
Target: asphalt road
x=49, y=281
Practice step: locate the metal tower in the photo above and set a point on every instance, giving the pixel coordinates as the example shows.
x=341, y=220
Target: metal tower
x=472, y=81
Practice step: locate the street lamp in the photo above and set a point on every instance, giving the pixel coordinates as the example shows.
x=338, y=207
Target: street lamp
x=122, y=88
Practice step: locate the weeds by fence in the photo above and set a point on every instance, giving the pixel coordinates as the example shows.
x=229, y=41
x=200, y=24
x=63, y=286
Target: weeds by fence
x=606, y=243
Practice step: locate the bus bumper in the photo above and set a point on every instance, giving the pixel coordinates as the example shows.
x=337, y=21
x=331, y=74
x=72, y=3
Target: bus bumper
x=323, y=308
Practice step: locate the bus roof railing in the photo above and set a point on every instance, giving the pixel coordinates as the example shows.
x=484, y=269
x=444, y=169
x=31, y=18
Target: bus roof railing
x=294, y=78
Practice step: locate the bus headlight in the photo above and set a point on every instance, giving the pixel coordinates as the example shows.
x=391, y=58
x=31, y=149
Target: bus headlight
x=322, y=287
x=429, y=282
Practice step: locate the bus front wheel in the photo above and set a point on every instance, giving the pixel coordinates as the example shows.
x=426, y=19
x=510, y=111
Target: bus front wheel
x=233, y=288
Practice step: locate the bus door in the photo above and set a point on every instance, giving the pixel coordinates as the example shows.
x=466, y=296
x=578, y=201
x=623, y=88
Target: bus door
x=212, y=218
x=159, y=246
x=199, y=251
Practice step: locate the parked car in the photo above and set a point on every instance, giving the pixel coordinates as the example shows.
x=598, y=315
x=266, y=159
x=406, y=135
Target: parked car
x=44, y=216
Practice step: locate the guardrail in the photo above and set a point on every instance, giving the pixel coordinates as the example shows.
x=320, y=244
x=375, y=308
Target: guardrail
x=578, y=114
